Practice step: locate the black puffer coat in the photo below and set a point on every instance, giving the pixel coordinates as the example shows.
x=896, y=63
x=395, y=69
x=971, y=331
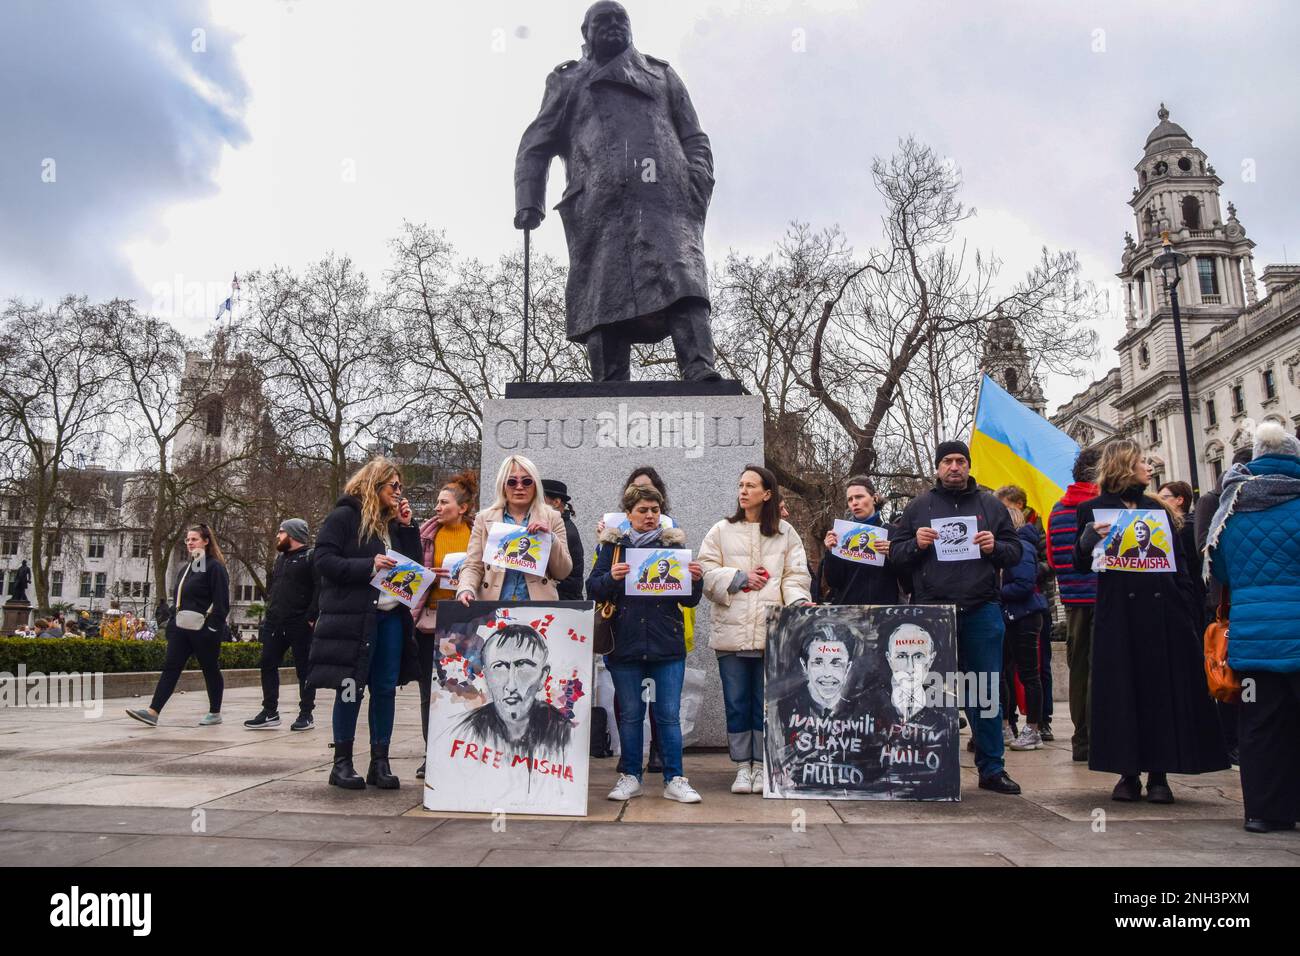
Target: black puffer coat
x=345, y=627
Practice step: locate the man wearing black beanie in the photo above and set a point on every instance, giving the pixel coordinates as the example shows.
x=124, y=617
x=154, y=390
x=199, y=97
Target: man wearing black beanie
x=971, y=584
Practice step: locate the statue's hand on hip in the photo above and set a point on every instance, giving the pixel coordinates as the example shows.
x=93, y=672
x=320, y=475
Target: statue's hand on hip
x=528, y=218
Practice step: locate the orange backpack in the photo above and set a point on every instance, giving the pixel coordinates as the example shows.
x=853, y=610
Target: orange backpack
x=1222, y=681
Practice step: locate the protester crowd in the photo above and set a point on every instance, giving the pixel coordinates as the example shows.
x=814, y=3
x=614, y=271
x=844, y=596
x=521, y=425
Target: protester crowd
x=1138, y=696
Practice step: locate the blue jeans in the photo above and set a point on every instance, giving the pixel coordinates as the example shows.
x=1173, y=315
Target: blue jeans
x=632, y=694
x=979, y=650
x=385, y=666
x=742, y=694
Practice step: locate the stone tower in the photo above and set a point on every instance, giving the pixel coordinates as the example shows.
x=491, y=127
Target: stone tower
x=1006, y=361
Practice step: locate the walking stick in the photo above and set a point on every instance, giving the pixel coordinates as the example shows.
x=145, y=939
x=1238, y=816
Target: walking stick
x=527, y=233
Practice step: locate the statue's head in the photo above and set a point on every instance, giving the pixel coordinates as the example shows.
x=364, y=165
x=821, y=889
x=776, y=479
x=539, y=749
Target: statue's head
x=606, y=29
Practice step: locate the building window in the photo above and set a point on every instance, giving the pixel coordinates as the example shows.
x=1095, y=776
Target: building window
x=101, y=511
x=138, y=589
x=1155, y=432
x=1238, y=400
x=1211, y=416
x=1217, y=467
x=86, y=584
x=251, y=592
x=9, y=543
x=1191, y=210
x=56, y=584
x=96, y=546
x=1208, y=277
x=139, y=546
x=1270, y=385
x=215, y=418
x=15, y=509
x=54, y=545
x=101, y=584
x=1144, y=355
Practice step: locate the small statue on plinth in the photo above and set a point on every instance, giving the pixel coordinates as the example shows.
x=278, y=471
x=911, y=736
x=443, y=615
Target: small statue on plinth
x=639, y=180
x=18, y=587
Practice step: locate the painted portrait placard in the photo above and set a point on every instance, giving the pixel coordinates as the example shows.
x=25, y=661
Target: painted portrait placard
x=857, y=542
x=509, y=716
x=657, y=572
x=407, y=581
x=514, y=548
x=1139, y=540
x=860, y=703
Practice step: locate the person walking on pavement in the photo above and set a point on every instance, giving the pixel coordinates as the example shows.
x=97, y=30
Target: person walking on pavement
x=290, y=615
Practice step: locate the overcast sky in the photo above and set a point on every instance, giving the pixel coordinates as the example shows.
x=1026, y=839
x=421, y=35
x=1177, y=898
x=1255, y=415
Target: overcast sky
x=142, y=158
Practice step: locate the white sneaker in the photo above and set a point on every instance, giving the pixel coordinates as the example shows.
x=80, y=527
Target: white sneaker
x=207, y=720
x=1028, y=740
x=1007, y=735
x=744, y=782
x=627, y=787
x=680, y=789
x=757, y=777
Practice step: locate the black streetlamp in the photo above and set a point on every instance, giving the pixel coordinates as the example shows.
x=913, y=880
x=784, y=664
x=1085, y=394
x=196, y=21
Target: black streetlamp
x=1170, y=262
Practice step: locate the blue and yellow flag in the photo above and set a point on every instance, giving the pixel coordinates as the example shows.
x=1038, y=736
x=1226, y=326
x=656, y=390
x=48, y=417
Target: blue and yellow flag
x=1014, y=445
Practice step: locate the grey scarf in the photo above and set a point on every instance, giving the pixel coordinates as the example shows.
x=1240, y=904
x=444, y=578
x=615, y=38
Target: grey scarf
x=1243, y=491
x=644, y=539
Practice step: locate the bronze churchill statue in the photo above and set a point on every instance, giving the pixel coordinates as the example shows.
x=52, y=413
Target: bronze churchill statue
x=639, y=178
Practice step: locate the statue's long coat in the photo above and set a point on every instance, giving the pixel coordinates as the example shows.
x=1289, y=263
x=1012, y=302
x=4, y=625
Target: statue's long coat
x=639, y=179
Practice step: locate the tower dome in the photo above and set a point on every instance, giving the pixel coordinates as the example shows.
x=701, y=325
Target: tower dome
x=1167, y=134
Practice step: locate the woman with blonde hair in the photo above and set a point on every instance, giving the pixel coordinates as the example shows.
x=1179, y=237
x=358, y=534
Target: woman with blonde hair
x=197, y=626
x=446, y=533
x=519, y=501
x=364, y=637
x=1150, y=710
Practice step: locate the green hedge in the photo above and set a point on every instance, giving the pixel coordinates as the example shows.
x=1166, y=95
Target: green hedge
x=73, y=654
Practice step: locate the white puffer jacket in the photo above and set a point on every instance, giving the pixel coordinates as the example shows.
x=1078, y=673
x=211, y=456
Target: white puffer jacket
x=740, y=619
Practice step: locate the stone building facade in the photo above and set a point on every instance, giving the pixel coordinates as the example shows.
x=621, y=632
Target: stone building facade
x=1241, y=349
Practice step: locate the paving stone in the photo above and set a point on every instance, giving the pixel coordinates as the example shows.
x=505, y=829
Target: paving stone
x=141, y=790
x=340, y=854
x=174, y=851
x=517, y=834
x=1122, y=835
x=319, y=798
x=16, y=783
x=137, y=820
x=19, y=848
x=285, y=825
x=808, y=858
x=1189, y=805
x=1153, y=858
x=936, y=838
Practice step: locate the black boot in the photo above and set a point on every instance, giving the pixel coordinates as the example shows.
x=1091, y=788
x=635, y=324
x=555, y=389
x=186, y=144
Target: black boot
x=344, y=775
x=380, y=775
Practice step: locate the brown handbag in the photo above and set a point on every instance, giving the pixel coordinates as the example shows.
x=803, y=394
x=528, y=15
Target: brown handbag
x=1223, y=683
x=602, y=631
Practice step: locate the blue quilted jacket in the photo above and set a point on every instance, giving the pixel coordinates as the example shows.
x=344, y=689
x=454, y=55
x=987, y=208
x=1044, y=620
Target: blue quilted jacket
x=1258, y=557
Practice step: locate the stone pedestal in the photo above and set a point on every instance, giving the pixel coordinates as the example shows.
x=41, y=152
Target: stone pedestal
x=699, y=437
x=16, y=615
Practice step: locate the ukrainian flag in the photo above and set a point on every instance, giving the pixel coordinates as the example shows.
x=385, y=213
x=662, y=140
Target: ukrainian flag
x=1014, y=445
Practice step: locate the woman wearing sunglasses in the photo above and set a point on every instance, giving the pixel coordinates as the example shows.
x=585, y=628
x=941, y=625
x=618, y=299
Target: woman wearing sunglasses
x=519, y=502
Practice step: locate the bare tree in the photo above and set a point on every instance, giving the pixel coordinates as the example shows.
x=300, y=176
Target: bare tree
x=193, y=418
x=336, y=362
x=871, y=360
x=465, y=322
x=56, y=396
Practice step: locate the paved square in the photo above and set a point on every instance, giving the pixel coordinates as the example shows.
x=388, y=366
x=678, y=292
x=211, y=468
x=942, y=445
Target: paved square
x=112, y=792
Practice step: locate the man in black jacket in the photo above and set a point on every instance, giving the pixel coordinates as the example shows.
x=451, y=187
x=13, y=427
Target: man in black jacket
x=557, y=496
x=971, y=584
x=852, y=582
x=290, y=613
